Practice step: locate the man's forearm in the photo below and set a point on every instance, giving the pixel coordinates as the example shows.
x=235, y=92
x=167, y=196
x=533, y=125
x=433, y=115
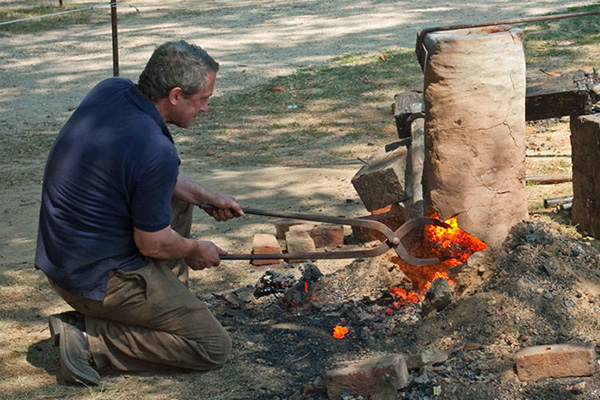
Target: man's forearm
x=190, y=191
x=164, y=244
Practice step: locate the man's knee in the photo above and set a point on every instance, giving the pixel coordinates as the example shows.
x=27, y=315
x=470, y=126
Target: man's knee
x=220, y=353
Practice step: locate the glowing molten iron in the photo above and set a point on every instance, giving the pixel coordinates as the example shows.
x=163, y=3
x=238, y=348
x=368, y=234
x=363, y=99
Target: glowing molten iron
x=451, y=245
x=339, y=332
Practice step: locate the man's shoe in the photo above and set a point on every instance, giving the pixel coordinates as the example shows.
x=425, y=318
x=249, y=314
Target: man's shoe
x=75, y=357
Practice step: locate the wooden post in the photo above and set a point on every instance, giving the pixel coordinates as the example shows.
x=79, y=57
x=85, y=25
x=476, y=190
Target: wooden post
x=585, y=145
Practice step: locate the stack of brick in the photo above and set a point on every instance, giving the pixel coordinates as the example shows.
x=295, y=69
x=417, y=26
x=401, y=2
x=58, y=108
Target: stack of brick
x=299, y=237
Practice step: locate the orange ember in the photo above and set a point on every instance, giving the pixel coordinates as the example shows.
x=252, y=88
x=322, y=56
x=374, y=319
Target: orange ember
x=451, y=245
x=339, y=331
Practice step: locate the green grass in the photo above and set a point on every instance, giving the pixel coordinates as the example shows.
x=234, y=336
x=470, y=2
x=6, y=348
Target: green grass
x=319, y=109
x=339, y=82
x=556, y=39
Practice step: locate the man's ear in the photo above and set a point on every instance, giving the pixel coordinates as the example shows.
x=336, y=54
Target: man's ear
x=175, y=95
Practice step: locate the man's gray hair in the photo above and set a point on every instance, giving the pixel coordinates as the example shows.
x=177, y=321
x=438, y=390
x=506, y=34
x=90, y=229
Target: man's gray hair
x=176, y=64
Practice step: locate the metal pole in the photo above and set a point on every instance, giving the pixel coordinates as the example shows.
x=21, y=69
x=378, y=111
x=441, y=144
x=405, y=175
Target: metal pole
x=115, y=37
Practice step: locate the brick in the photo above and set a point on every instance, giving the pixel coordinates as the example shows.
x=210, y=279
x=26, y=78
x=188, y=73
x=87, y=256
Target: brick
x=299, y=241
x=327, y=235
x=385, y=179
x=265, y=244
x=360, y=378
x=282, y=226
x=555, y=361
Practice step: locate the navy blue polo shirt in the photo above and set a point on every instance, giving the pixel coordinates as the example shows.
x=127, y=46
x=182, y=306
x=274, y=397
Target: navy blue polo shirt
x=112, y=167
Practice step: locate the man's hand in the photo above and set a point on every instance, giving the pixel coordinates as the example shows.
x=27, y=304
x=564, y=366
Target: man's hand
x=195, y=193
x=225, y=207
x=167, y=244
x=205, y=255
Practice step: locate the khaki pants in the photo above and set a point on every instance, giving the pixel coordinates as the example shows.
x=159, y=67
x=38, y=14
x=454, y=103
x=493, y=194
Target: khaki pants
x=149, y=320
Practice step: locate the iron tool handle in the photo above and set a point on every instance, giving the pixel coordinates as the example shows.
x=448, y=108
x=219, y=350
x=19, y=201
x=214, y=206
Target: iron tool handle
x=365, y=223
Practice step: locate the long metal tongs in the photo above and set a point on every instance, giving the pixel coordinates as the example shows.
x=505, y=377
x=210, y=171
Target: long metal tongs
x=393, y=238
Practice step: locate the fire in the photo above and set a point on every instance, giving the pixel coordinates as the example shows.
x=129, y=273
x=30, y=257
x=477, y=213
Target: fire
x=451, y=245
x=339, y=331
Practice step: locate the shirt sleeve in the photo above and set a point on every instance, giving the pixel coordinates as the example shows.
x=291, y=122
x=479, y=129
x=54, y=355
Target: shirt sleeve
x=151, y=195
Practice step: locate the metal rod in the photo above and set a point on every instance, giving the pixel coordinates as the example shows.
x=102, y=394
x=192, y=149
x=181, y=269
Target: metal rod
x=115, y=37
x=557, y=201
x=420, y=49
x=564, y=207
x=549, y=179
x=365, y=223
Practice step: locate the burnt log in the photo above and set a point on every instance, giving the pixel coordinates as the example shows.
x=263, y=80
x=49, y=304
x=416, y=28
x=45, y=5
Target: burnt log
x=563, y=95
x=585, y=144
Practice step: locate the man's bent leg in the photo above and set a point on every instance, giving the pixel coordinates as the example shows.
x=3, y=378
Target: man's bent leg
x=149, y=320
x=181, y=222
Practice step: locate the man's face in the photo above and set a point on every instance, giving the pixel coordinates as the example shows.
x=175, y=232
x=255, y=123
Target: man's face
x=187, y=109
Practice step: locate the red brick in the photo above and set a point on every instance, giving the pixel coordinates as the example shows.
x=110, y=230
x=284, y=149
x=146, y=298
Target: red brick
x=299, y=241
x=327, y=235
x=282, y=226
x=361, y=377
x=555, y=361
x=265, y=244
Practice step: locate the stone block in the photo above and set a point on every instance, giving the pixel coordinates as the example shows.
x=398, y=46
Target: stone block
x=385, y=179
x=360, y=378
x=555, y=361
x=265, y=244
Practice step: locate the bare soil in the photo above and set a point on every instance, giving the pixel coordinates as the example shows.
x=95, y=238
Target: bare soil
x=541, y=287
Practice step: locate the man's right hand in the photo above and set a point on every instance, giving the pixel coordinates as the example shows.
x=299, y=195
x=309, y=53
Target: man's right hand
x=167, y=244
x=206, y=254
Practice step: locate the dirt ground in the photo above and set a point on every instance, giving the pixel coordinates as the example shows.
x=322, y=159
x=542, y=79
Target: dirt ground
x=542, y=287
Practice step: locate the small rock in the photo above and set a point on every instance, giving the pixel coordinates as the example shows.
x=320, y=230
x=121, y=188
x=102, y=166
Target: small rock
x=422, y=379
x=577, y=388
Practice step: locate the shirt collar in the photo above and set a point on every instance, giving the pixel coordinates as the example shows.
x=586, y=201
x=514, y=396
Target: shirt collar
x=144, y=103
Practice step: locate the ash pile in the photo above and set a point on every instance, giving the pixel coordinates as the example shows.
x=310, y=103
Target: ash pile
x=540, y=288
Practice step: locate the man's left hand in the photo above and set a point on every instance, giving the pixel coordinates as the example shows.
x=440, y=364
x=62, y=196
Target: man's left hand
x=226, y=207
